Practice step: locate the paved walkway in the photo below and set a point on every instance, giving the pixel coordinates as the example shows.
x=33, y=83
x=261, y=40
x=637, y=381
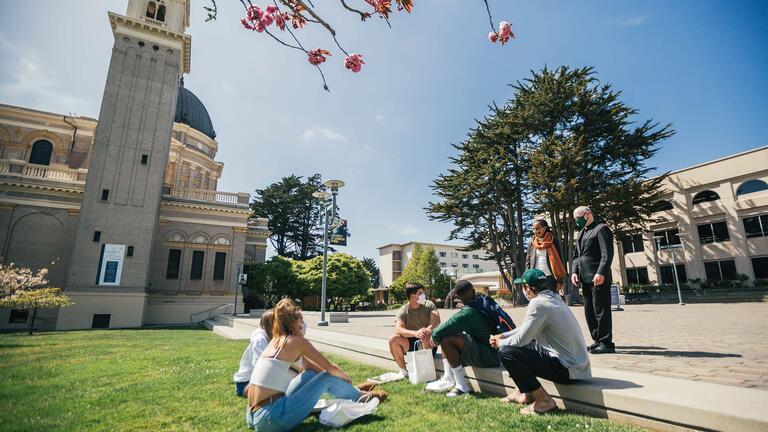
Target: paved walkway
x=717, y=343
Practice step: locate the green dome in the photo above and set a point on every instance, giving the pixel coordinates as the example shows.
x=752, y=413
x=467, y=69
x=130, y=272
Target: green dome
x=192, y=112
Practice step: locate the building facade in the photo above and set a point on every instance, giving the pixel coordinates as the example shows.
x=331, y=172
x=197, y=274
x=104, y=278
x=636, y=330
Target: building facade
x=124, y=210
x=712, y=222
x=394, y=257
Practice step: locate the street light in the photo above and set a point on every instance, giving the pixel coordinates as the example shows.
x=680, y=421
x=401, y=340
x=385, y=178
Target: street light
x=334, y=185
x=674, y=265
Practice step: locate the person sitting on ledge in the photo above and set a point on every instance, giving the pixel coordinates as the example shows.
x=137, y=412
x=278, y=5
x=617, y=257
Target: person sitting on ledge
x=464, y=341
x=259, y=340
x=280, y=394
x=558, y=354
x=414, y=322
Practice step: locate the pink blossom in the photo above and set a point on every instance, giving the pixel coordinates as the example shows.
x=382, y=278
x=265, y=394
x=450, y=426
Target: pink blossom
x=246, y=24
x=254, y=13
x=267, y=19
x=271, y=9
x=280, y=19
x=317, y=56
x=493, y=37
x=505, y=32
x=354, y=62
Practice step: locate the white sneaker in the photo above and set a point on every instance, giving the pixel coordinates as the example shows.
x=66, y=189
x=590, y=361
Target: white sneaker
x=439, y=386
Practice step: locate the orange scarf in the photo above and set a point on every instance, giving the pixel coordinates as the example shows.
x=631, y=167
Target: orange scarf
x=555, y=264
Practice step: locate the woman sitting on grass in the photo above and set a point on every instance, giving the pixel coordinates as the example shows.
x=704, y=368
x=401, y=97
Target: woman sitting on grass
x=280, y=396
x=259, y=340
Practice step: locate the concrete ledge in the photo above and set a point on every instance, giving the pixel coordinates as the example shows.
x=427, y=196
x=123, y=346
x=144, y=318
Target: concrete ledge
x=644, y=400
x=334, y=317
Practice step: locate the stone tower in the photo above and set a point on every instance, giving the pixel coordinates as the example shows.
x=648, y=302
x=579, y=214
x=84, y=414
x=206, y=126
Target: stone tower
x=110, y=264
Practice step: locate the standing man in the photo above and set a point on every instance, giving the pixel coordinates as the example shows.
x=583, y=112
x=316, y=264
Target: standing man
x=592, y=268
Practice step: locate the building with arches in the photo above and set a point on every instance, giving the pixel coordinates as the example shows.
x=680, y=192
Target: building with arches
x=713, y=218
x=124, y=211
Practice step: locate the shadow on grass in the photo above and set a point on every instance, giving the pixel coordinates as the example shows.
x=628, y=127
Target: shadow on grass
x=306, y=427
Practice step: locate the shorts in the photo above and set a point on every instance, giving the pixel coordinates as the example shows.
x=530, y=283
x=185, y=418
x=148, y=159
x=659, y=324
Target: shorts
x=412, y=345
x=479, y=354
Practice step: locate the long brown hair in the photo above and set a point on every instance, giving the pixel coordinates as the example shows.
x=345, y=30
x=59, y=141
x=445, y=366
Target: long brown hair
x=286, y=313
x=266, y=322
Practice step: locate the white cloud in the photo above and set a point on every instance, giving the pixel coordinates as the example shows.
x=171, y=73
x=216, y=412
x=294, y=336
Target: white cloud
x=632, y=21
x=319, y=133
x=25, y=81
x=379, y=118
x=405, y=229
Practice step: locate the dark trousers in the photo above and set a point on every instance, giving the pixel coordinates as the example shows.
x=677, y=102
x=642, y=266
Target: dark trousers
x=525, y=364
x=597, y=308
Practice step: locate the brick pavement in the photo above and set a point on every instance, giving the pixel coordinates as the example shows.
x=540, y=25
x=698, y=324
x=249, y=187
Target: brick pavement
x=718, y=343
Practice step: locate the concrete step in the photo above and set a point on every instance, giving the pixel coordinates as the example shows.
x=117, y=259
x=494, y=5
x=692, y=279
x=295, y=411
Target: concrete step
x=645, y=400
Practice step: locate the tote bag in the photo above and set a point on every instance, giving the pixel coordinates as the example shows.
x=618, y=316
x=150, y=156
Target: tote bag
x=420, y=365
x=343, y=411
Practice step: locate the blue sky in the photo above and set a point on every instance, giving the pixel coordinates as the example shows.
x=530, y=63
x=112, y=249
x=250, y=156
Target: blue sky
x=386, y=131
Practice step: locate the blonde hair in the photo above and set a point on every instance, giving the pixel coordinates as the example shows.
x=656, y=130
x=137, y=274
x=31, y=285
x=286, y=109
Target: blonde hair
x=285, y=316
x=266, y=321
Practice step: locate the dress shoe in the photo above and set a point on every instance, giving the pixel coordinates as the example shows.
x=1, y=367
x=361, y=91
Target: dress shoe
x=593, y=346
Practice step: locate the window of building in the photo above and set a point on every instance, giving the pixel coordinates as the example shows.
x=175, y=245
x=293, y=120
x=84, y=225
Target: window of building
x=662, y=205
x=196, y=272
x=637, y=275
x=441, y=254
x=174, y=262
x=465, y=256
x=455, y=265
x=41, y=153
x=397, y=255
x=667, y=238
x=18, y=316
x=144, y=159
x=475, y=256
x=705, y=196
x=100, y=321
x=105, y=194
x=756, y=226
x=475, y=266
x=130, y=251
x=160, y=13
x=760, y=267
x=155, y=11
x=465, y=266
x=751, y=186
x=97, y=236
x=668, y=276
x=713, y=232
x=443, y=264
x=632, y=243
x=720, y=270
x=454, y=255
x=219, y=264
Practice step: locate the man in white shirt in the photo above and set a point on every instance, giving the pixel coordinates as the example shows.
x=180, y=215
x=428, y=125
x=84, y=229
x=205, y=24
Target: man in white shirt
x=259, y=340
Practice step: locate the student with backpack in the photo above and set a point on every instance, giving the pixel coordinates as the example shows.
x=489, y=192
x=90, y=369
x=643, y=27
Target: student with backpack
x=464, y=339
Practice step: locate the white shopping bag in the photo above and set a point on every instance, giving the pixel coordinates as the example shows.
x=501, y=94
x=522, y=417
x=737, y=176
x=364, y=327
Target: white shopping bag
x=343, y=411
x=420, y=365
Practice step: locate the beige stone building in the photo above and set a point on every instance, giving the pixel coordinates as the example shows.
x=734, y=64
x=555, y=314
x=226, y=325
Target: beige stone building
x=713, y=221
x=394, y=257
x=124, y=210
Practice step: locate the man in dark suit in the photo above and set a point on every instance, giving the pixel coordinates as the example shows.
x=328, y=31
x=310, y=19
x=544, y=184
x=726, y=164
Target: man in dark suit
x=592, y=268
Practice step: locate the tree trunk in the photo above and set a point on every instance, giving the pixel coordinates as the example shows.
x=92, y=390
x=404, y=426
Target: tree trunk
x=32, y=322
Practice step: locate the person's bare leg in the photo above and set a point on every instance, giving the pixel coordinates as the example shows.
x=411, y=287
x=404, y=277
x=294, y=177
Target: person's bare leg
x=398, y=345
x=543, y=402
x=426, y=343
x=452, y=346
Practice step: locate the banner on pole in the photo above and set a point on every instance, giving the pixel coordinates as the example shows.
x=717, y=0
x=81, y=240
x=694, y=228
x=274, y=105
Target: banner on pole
x=339, y=233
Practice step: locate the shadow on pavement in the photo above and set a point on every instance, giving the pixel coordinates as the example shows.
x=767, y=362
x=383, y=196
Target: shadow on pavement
x=659, y=351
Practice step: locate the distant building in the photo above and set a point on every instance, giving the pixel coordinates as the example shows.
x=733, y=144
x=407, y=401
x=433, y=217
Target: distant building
x=124, y=210
x=715, y=219
x=394, y=257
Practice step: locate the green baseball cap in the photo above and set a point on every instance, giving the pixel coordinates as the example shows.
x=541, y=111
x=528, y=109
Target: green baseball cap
x=533, y=277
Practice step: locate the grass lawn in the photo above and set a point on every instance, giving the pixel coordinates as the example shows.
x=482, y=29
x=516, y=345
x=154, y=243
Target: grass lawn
x=180, y=379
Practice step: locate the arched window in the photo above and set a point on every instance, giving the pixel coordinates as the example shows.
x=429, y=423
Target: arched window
x=151, y=9
x=751, y=186
x=41, y=153
x=160, y=13
x=705, y=196
x=661, y=205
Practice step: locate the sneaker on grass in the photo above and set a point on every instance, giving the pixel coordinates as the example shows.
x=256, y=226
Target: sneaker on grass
x=440, y=386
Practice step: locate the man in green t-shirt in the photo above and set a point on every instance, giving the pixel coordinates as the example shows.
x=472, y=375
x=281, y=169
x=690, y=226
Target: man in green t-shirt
x=414, y=322
x=465, y=341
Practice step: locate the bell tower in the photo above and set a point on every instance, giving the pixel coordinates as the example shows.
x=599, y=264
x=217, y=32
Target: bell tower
x=109, y=272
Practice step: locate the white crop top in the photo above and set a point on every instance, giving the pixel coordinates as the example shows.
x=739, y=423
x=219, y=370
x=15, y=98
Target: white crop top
x=274, y=374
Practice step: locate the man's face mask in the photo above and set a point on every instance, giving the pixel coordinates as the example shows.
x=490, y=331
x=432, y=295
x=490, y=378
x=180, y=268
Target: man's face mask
x=581, y=222
x=422, y=298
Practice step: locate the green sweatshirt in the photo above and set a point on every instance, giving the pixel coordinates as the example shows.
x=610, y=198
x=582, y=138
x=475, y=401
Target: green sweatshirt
x=466, y=320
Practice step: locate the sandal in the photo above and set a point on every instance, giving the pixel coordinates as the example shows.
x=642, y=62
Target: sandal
x=529, y=410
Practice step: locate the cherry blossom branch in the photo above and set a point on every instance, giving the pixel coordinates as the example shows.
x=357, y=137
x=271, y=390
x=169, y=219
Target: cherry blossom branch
x=490, y=18
x=212, y=11
x=363, y=15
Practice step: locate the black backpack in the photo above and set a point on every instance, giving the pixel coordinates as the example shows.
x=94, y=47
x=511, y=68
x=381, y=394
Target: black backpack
x=498, y=320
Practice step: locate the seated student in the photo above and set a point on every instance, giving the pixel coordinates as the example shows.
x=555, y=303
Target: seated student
x=280, y=395
x=414, y=322
x=464, y=341
x=259, y=340
x=559, y=353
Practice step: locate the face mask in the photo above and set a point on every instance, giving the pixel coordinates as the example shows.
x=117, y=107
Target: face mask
x=422, y=298
x=581, y=222
x=303, y=328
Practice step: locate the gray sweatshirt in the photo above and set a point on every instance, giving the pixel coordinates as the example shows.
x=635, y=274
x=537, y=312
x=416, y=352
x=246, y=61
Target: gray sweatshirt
x=552, y=325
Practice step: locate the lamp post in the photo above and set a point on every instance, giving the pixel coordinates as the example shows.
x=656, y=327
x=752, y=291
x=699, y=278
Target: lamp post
x=334, y=185
x=674, y=266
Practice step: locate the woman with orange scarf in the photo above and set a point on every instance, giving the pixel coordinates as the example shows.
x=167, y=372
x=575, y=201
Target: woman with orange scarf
x=544, y=254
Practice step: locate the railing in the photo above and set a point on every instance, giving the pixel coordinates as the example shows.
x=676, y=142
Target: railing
x=5, y=167
x=205, y=195
x=154, y=21
x=258, y=223
x=198, y=317
x=25, y=170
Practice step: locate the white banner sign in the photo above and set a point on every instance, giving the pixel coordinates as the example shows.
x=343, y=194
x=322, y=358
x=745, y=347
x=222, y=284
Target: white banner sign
x=111, y=264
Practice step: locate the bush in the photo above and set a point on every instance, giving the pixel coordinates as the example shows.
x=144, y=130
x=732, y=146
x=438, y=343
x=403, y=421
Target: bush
x=393, y=306
x=761, y=283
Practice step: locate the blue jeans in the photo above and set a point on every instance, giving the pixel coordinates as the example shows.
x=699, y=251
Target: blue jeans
x=303, y=393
